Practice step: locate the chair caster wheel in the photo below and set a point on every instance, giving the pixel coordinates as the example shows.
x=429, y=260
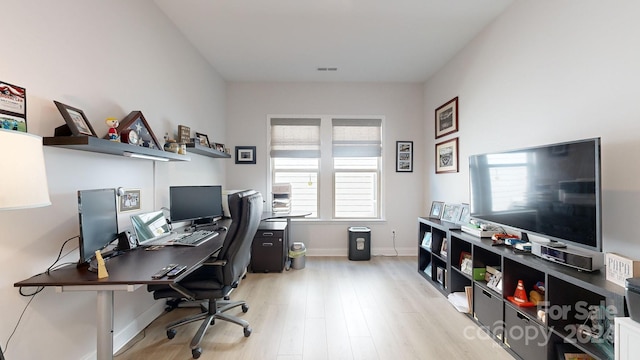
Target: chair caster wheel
x=196, y=353
x=247, y=331
x=171, y=333
x=245, y=308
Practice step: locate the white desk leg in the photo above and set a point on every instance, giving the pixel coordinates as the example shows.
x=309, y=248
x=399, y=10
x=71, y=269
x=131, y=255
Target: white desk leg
x=105, y=324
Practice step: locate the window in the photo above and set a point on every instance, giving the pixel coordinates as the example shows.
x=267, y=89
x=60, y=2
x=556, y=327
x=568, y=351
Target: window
x=295, y=159
x=351, y=159
x=356, y=151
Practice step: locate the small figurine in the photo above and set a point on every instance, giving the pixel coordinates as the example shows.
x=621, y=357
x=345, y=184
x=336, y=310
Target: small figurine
x=113, y=123
x=102, y=269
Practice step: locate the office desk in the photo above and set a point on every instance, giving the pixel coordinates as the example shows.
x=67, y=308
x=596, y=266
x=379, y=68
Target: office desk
x=267, y=215
x=127, y=272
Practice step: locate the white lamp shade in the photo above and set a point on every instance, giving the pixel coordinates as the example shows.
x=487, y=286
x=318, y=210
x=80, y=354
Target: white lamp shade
x=23, y=177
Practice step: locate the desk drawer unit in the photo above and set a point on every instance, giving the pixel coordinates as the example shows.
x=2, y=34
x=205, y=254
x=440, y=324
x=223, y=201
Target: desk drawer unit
x=269, y=248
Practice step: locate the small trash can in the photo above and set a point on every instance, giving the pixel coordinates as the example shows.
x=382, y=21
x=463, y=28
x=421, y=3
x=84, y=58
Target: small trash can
x=359, y=243
x=297, y=254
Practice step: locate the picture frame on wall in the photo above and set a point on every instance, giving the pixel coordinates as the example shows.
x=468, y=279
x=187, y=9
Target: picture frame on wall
x=436, y=209
x=447, y=118
x=245, y=154
x=447, y=156
x=76, y=120
x=135, y=121
x=13, y=107
x=130, y=200
x=404, y=156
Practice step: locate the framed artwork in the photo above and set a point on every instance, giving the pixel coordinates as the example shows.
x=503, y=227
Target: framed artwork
x=245, y=154
x=13, y=107
x=451, y=213
x=184, y=134
x=444, y=248
x=465, y=214
x=404, y=156
x=426, y=240
x=218, y=147
x=436, y=209
x=136, y=122
x=447, y=156
x=447, y=118
x=440, y=275
x=204, y=139
x=130, y=200
x=76, y=120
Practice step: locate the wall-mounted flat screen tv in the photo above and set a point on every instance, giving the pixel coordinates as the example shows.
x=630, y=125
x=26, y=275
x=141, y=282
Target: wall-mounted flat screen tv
x=552, y=191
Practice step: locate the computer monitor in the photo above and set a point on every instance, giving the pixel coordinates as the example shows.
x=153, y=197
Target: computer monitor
x=98, y=219
x=198, y=204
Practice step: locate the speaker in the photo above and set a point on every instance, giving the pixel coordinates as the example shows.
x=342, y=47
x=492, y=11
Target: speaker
x=582, y=260
x=126, y=241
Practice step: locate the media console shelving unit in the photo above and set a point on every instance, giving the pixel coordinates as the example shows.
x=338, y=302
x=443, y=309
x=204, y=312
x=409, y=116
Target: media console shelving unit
x=568, y=294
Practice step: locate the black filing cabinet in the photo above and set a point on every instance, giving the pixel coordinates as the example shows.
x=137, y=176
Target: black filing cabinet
x=269, y=249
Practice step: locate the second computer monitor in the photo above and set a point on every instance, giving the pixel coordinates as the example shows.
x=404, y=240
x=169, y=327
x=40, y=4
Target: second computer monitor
x=199, y=204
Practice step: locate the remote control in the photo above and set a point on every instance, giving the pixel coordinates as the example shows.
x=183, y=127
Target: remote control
x=176, y=271
x=164, y=271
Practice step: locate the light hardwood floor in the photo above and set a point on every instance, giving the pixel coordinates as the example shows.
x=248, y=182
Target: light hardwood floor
x=332, y=309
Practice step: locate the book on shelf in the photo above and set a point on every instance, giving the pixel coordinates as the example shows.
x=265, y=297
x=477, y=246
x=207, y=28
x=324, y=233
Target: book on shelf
x=468, y=291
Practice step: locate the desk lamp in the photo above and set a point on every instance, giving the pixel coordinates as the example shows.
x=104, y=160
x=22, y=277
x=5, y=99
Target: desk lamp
x=23, y=178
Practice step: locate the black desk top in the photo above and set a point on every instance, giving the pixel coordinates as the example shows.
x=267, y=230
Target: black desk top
x=132, y=268
x=280, y=215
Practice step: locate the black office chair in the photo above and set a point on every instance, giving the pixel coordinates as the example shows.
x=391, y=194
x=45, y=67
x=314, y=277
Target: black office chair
x=215, y=280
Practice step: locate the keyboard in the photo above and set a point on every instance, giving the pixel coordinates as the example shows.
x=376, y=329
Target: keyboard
x=195, y=238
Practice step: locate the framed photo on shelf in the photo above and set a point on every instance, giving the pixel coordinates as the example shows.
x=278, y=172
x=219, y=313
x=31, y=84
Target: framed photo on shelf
x=76, y=120
x=444, y=248
x=441, y=275
x=466, y=266
x=184, y=134
x=130, y=200
x=436, y=209
x=203, y=138
x=447, y=156
x=218, y=147
x=136, y=122
x=451, y=213
x=426, y=240
x=465, y=214
x=404, y=156
x=447, y=118
x=13, y=107
x=245, y=154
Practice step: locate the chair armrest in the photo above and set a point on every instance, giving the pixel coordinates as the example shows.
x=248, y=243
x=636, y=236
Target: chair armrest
x=215, y=263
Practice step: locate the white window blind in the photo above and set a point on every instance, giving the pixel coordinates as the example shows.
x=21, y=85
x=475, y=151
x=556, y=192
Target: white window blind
x=295, y=138
x=357, y=137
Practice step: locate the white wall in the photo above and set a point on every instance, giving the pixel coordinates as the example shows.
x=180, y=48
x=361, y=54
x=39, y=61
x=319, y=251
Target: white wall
x=107, y=58
x=248, y=106
x=544, y=72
